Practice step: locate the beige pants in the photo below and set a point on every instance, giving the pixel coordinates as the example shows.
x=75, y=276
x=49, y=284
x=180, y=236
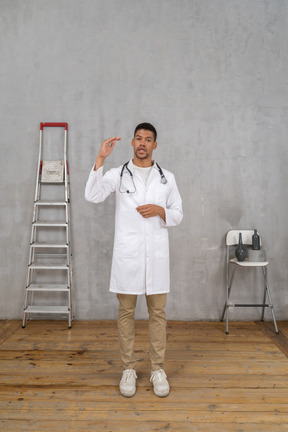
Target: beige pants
x=157, y=329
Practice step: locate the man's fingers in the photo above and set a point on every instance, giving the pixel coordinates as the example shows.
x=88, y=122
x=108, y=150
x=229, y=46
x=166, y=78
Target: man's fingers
x=108, y=145
x=112, y=140
x=145, y=210
x=143, y=207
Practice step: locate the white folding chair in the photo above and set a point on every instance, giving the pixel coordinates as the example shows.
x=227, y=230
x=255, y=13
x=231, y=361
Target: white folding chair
x=232, y=264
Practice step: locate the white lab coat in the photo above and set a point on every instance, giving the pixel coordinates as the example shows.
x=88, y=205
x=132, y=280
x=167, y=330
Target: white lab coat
x=140, y=263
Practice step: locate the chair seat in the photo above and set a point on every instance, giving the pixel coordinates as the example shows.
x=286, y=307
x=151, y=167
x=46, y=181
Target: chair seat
x=249, y=263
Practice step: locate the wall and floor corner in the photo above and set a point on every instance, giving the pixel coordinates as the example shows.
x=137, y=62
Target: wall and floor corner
x=210, y=74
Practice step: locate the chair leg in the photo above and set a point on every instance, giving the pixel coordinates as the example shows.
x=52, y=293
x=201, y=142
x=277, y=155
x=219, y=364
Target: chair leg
x=226, y=307
x=274, y=319
x=224, y=311
x=264, y=299
x=267, y=290
x=227, y=320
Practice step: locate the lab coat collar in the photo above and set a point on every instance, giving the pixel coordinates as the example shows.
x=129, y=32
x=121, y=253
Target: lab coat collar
x=133, y=167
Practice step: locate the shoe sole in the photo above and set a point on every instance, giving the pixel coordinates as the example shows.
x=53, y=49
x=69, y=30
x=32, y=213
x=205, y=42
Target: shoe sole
x=128, y=395
x=162, y=394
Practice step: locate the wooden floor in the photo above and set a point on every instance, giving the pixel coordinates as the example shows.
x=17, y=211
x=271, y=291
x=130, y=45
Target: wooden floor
x=55, y=379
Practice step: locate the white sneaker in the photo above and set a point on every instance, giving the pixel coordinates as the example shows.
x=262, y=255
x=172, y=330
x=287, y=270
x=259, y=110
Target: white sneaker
x=128, y=383
x=160, y=383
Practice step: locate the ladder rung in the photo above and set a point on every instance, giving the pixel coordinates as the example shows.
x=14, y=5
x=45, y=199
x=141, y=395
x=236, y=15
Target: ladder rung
x=48, y=266
x=50, y=224
x=50, y=256
x=48, y=287
x=252, y=305
x=49, y=245
x=50, y=203
x=62, y=182
x=47, y=309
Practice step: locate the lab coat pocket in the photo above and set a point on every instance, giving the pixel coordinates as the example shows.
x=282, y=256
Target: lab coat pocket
x=162, y=244
x=160, y=196
x=127, y=246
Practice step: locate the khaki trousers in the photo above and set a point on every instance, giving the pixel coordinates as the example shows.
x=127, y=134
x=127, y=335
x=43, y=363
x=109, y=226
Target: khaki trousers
x=157, y=329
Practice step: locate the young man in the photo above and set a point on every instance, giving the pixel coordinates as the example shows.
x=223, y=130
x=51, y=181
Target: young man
x=147, y=202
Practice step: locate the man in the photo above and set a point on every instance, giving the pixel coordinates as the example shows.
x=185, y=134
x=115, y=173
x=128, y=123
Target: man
x=147, y=202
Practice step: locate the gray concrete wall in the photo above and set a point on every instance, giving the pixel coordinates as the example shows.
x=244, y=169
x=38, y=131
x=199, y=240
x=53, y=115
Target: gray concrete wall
x=210, y=74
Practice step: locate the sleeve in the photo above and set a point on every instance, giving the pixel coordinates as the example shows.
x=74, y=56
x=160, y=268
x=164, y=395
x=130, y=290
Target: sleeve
x=99, y=187
x=173, y=209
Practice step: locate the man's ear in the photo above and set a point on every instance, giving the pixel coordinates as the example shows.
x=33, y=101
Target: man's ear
x=155, y=145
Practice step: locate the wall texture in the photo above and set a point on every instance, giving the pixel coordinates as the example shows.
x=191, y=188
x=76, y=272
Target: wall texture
x=210, y=74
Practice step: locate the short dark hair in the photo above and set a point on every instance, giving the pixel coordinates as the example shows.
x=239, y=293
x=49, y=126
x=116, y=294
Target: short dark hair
x=146, y=126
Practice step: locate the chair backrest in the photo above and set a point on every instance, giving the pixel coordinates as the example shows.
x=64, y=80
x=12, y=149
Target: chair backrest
x=232, y=237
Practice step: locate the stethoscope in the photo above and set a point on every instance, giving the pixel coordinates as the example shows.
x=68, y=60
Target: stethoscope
x=163, y=178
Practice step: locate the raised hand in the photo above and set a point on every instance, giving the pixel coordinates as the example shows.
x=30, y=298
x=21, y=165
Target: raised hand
x=105, y=151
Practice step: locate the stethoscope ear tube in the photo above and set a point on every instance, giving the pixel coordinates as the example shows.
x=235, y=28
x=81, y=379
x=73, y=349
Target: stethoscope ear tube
x=163, y=178
x=131, y=175
x=125, y=166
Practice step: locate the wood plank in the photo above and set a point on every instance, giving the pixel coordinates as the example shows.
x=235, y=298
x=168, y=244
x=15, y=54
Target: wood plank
x=2, y=324
x=114, y=426
x=280, y=340
x=195, y=367
x=90, y=328
x=80, y=342
x=85, y=394
x=92, y=379
x=176, y=415
x=198, y=353
x=7, y=329
x=133, y=405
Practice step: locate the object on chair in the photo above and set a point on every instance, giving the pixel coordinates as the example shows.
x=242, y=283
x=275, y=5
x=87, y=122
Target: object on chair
x=255, y=240
x=240, y=251
x=245, y=236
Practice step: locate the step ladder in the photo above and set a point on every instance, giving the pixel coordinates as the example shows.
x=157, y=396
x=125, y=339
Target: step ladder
x=49, y=278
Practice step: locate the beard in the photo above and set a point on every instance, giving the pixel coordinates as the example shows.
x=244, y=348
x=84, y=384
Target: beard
x=141, y=155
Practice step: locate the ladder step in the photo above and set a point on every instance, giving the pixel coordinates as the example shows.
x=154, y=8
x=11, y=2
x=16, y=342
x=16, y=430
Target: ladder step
x=62, y=182
x=50, y=203
x=49, y=245
x=48, y=287
x=52, y=256
x=48, y=266
x=47, y=309
x=50, y=224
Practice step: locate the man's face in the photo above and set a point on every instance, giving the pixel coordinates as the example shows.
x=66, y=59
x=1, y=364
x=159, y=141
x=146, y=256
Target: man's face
x=144, y=143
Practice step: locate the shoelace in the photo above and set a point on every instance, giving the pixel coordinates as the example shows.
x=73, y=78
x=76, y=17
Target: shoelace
x=158, y=375
x=128, y=374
